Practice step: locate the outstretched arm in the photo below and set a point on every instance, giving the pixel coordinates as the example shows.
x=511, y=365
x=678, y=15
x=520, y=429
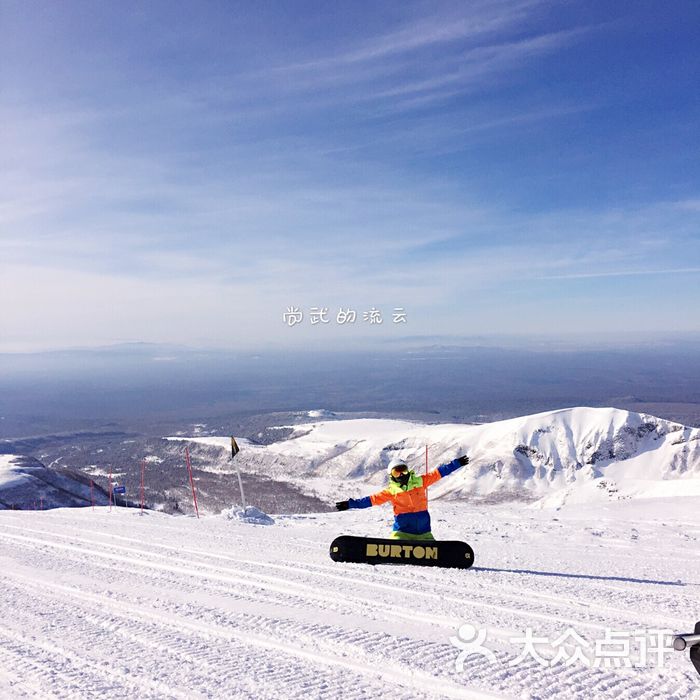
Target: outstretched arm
x=376, y=499
x=444, y=470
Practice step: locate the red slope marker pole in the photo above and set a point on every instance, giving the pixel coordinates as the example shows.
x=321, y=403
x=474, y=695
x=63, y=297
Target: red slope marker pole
x=189, y=469
x=426, y=471
x=143, y=470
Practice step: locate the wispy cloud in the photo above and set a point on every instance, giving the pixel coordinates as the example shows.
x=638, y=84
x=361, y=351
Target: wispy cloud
x=481, y=19
x=412, y=157
x=481, y=62
x=397, y=64
x=622, y=273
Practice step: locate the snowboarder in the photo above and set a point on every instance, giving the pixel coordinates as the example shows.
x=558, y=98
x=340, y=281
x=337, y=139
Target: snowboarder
x=408, y=494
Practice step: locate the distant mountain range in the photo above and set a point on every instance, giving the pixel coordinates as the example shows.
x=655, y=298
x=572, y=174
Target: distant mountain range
x=569, y=456
x=565, y=456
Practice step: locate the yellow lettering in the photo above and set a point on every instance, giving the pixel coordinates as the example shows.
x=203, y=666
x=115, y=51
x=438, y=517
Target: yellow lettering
x=431, y=552
x=383, y=550
x=371, y=550
x=418, y=552
x=396, y=551
x=407, y=551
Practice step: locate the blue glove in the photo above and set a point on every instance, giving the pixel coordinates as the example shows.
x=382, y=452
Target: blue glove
x=453, y=466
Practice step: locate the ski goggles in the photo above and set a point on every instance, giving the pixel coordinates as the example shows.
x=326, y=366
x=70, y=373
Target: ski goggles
x=401, y=469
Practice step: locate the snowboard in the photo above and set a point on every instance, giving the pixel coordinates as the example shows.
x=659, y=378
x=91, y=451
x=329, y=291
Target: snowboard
x=371, y=550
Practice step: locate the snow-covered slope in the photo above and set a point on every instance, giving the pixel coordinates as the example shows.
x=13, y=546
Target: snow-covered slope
x=26, y=484
x=114, y=605
x=571, y=455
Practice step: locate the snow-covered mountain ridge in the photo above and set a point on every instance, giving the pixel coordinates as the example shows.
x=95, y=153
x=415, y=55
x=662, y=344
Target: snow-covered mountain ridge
x=27, y=484
x=569, y=455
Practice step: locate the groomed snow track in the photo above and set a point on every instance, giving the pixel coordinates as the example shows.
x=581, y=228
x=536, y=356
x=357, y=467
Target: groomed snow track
x=113, y=604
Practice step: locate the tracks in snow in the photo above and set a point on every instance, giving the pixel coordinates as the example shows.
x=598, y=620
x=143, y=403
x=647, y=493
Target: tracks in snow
x=157, y=619
x=307, y=584
x=219, y=638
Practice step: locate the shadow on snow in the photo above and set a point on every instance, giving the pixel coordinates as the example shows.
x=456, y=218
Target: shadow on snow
x=626, y=579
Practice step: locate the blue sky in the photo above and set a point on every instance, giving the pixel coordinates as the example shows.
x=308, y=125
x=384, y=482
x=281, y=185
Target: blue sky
x=185, y=172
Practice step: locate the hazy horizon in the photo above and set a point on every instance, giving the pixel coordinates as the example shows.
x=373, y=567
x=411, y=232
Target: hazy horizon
x=614, y=340
x=149, y=387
